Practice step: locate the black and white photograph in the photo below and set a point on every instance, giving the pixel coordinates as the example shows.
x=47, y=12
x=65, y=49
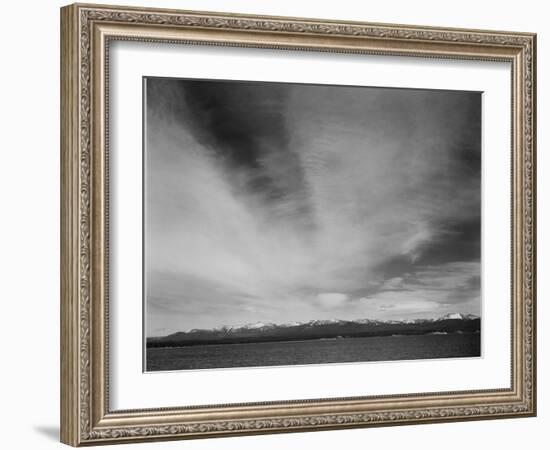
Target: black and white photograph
x=289, y=224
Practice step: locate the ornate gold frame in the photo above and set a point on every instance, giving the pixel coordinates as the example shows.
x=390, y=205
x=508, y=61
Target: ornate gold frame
x=86, y=31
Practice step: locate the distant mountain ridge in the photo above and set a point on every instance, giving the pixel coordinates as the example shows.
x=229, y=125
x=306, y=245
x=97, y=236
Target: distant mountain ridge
x=319, y=329
x=260, y=325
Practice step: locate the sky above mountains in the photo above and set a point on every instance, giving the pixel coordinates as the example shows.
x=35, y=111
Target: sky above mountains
x=277, y=202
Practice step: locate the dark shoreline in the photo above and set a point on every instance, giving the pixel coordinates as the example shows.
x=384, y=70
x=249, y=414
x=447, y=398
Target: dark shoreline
x=289, y=341
x=344, y=330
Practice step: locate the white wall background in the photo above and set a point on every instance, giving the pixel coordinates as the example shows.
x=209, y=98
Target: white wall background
x=29, y=225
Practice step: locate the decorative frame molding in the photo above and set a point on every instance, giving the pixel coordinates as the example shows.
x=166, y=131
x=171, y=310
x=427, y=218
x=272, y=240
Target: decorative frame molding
x=86, y=31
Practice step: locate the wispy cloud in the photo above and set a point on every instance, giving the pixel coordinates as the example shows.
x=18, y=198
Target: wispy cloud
x=276, y=202
x=429, y=291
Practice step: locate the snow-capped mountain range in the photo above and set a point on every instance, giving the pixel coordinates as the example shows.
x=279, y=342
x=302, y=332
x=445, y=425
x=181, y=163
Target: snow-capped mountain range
x=313, y=323
x=320, y=329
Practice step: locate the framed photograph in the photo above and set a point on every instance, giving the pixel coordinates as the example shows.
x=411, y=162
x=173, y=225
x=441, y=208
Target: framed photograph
x=273, y=224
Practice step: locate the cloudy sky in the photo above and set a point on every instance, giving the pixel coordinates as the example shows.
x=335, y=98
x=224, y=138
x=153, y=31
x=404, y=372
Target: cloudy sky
x=279, y=202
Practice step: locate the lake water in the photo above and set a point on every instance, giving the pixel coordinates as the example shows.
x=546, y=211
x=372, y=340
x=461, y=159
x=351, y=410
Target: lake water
x=320, y=351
